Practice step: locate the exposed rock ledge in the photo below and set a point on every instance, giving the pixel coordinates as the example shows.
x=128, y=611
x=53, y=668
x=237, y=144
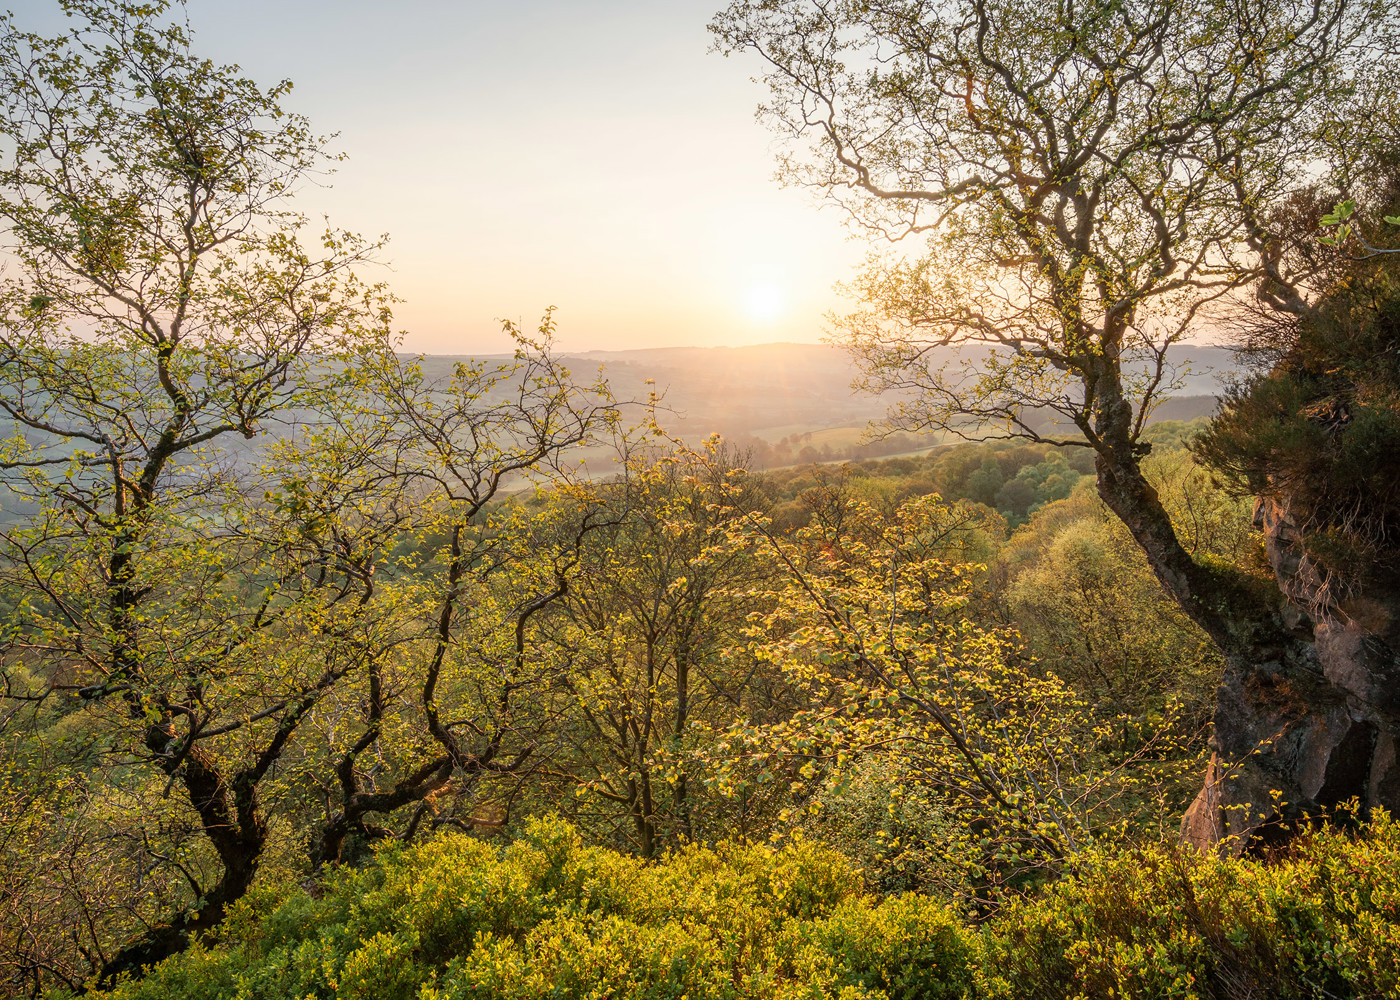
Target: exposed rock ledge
x=1308, y=724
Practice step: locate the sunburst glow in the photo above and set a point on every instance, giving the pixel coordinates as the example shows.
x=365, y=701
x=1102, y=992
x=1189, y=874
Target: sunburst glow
x=764, y=303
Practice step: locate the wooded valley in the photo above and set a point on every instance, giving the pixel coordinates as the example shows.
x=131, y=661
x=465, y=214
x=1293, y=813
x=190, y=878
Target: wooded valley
x=332, y=670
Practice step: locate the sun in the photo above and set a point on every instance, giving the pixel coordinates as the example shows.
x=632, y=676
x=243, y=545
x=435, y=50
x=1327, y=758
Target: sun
x=764, y=302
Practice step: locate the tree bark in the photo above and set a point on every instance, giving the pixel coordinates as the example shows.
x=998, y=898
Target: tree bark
x=417, y=786
x=235, y=826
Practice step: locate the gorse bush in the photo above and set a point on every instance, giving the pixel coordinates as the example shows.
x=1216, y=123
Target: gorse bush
x=1321, y=922
x=548, y=917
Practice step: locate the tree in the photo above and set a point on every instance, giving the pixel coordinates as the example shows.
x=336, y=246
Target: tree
x=160, y=303
x=409, y=482
x=1086, y=183
x=649, y=644
x=199, y=628
x=866, y=618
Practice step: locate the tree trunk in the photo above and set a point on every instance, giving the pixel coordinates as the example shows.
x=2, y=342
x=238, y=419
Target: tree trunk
x=680, y=791
x=234, y=825
x=643, y=816
x=163, y=941
x=1308, y=708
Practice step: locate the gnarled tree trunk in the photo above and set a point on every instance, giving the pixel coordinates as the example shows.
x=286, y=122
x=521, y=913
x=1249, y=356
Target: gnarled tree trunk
x=1308, y=709
x=237, y=829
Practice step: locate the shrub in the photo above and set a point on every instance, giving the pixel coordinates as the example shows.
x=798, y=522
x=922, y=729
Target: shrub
x=549, y=917
x=906, y=948
x=1320, y=922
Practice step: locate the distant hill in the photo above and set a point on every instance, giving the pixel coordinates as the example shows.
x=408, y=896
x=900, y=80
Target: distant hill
x=746, y=390
x=784, y=403
x=770, y=391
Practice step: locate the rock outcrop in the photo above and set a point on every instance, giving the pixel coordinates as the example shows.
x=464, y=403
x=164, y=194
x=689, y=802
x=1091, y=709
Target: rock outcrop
x=1305, y=726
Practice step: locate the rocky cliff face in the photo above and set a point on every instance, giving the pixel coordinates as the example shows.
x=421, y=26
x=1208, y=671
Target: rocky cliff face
x=1306, y=724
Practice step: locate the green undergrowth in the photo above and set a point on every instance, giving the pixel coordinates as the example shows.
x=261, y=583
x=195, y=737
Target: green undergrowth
x=547, y=917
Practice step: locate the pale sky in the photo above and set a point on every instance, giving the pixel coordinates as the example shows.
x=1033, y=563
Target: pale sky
x=587, y=154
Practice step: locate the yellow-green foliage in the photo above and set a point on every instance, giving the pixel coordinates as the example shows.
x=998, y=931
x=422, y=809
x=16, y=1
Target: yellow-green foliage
x=548, y=917
x=1322, y=922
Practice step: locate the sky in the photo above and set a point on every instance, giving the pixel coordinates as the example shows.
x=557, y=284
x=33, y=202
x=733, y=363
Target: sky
x=591, y=155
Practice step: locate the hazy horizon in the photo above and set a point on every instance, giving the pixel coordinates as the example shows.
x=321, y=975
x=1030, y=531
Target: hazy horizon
x=573, y=351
